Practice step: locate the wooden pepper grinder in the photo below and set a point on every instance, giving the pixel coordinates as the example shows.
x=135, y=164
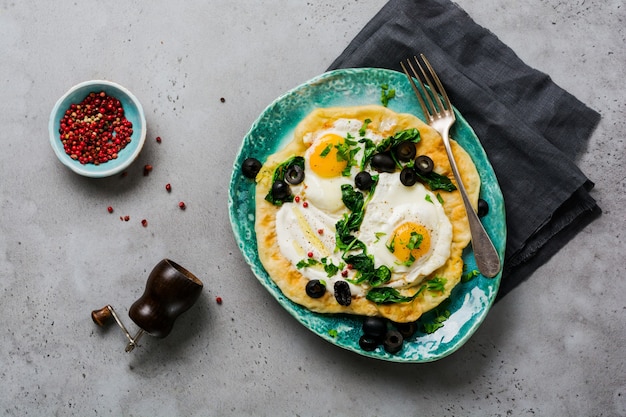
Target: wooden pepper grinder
x=170, y=291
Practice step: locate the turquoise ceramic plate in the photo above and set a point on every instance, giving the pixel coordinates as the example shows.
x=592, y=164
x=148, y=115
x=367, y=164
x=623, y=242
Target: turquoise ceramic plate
x=469, y=302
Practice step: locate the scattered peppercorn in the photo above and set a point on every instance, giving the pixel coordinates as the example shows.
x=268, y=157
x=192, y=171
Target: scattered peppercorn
x=158, y=139
x=168, y=187
x=126, y=218
x=218, y=300
x=305, y=204
x=223, y=100
x=110, y=209
x=144, y=223
x=182, y=205
x=147, y=169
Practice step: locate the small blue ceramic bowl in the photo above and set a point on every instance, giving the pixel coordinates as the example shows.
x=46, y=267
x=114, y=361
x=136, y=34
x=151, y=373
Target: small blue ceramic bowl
x=132, y=111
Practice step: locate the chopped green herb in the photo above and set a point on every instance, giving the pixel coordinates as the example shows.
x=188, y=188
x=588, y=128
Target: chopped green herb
x=391, y=246
x=326, y=150
x=468, y=276
x=409, y=261
x=363, y=128
x=333, y=333
x=436, y=284
x=306, y=263
x=415, y=241
x=439, y=198
x=330, y=268
x=378, y=236
x=427, y=198
x=369, y=149
x=386, y=94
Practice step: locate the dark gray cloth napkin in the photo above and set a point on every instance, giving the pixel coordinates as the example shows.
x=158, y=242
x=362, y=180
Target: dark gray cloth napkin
x=530, y=128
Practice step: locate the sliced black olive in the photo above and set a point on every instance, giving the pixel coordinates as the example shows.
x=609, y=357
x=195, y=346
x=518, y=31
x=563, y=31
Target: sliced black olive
x=393, y=341
x=294, y=174
x=408, y=176
x=383, y=162
x=315, y=288
x=483, y=207
x=405, y=151
x=363, y=181
x=342, y=293
x=280, y=190
x=406, y=329
x=251, y=167
x=424, y=165
x=368, y=343
x=375, y=327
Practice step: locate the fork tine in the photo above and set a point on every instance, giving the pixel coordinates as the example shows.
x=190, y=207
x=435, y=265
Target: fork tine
x=418, y=94
x=428, y=92
x=440, y=89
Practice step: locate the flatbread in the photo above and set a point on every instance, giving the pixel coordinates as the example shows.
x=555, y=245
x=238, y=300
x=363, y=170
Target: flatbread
x=290, y=280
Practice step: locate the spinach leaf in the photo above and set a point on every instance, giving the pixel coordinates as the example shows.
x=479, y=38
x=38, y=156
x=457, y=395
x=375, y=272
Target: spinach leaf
x=388, y=295
x=436, y=181
x=279, y=174
x=408, y=135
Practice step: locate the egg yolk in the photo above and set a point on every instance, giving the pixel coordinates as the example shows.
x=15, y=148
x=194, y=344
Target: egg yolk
x=409, y=242
x=325, y=159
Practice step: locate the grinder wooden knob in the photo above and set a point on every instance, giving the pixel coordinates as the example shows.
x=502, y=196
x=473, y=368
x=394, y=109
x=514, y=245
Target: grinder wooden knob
x=170, y=291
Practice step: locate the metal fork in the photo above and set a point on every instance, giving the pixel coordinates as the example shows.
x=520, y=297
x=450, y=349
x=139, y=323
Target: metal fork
x=438, y=110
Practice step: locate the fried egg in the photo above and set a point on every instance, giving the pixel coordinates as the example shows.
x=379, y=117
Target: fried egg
x=404, y=228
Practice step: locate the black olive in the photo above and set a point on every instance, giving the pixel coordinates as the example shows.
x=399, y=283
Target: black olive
x=363, y=181
x=406, y=329
x=368, y=343
x=383, y=162
x=251, y=167
x=375, y=327
x=424, y=165
x=280, y=190
x=483, y=207
x=408, y=176
x=393, y=341
x=405, y=151
x=342, y=293
x=315, y=288
x=294, y=174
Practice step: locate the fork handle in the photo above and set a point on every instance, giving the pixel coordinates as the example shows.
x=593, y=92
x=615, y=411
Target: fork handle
x=487, y=258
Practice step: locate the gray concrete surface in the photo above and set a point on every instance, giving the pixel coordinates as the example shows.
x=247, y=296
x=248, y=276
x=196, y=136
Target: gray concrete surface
x=552, y=347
